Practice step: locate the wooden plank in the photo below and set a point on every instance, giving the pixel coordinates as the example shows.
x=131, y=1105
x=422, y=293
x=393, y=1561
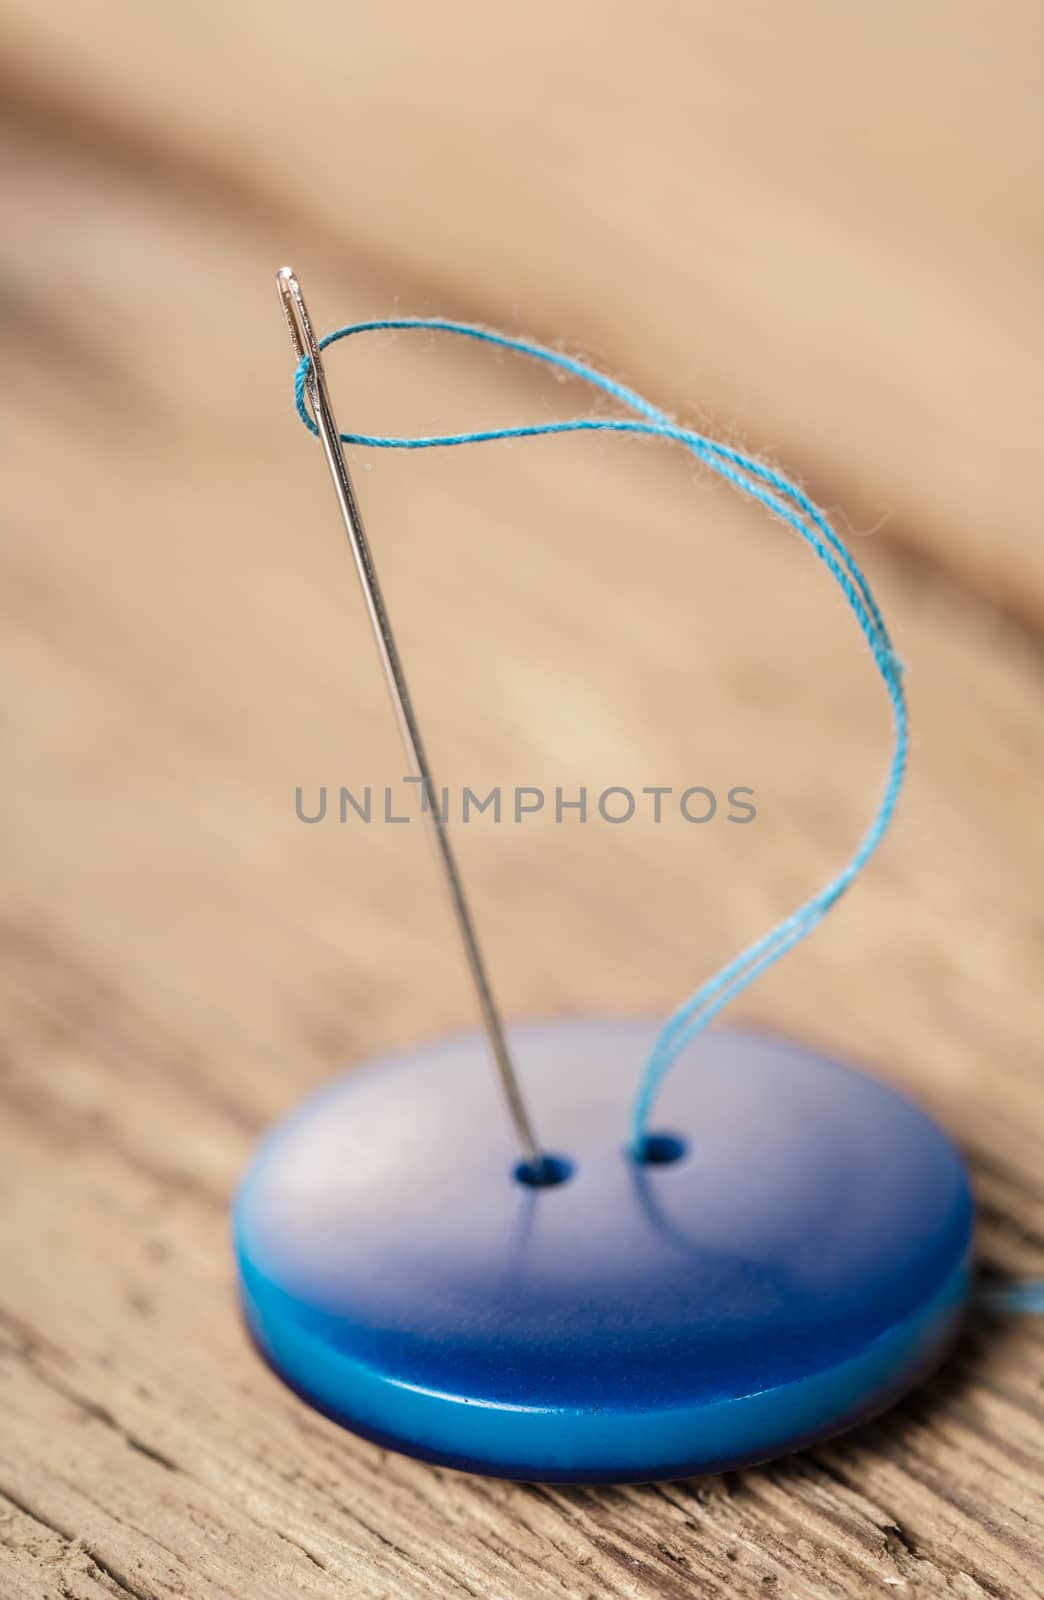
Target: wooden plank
x=810, y=229
x=182, y=958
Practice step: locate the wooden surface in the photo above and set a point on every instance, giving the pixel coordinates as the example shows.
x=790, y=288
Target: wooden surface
x=829, y=252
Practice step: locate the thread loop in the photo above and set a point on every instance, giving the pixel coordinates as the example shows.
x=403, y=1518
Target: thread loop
x=786, y=501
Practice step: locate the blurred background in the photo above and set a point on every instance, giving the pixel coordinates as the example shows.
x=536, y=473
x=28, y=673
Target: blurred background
x=812, y=230
x=807, y=229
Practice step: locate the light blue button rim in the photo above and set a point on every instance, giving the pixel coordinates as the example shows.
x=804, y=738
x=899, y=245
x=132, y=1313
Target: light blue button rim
x=600, y=1445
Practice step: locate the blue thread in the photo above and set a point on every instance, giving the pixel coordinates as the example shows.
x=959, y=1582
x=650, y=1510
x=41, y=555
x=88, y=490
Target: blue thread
x=1016, y=1294
x=771, y=489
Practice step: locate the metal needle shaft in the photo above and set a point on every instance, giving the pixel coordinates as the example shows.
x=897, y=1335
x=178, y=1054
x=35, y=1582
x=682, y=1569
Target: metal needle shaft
x=306, y=344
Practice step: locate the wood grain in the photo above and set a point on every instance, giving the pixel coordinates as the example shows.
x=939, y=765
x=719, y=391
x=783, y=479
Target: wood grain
x=182, y=645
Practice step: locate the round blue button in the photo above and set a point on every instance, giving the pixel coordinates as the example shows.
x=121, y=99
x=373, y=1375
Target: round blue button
x=790, y=1255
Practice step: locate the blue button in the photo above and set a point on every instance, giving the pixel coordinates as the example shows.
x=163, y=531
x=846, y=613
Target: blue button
x=791, y=1254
